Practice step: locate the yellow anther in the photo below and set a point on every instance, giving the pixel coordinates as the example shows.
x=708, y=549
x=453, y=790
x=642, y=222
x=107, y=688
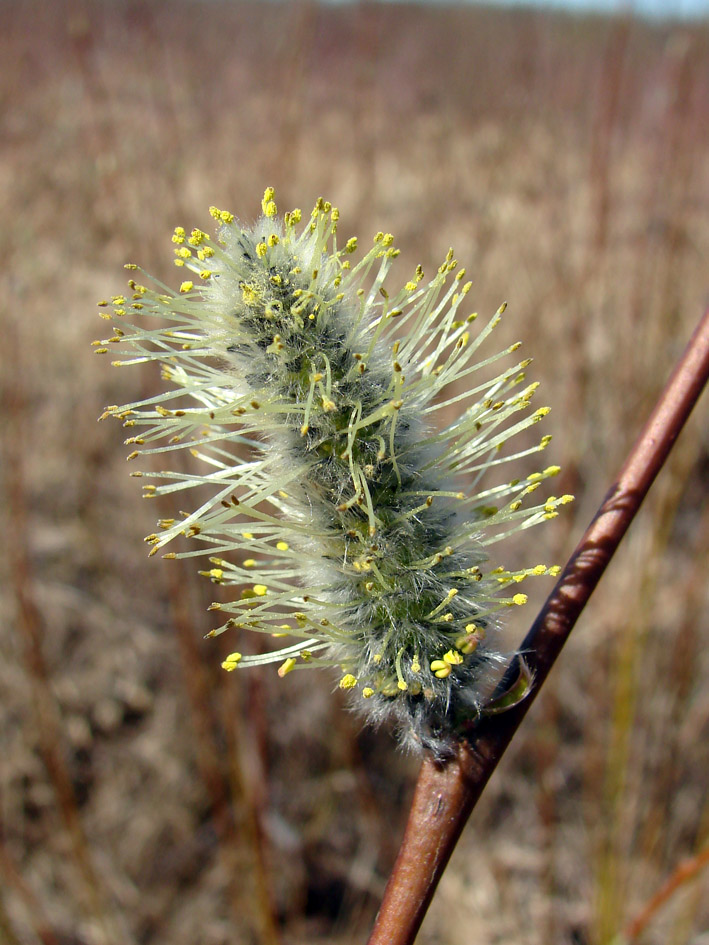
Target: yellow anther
x=260, y=590
x=455, y=659
x=261, y=250
x=367, y=692
x=231, y=662
x=467, y=644
x=519, y=599
x=348, y=682
x=268, y=205
x=187, y=286
x=440, y=669
x=282, y=546
x=250, y=563
x=286, y=667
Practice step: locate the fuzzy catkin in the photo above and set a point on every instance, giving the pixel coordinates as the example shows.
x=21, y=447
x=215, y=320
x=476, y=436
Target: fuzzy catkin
x=343, y=512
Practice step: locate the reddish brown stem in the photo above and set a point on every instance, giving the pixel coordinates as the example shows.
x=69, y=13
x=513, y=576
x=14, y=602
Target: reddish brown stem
x=685, y=871
x=446, y=793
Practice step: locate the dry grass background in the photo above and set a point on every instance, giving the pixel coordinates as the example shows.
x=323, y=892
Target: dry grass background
x=145, y=795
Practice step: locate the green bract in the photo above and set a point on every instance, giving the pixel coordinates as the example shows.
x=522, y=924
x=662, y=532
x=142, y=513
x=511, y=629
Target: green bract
x=345, y=511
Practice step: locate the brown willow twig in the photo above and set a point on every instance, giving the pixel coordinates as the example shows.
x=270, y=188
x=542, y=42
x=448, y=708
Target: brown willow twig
x=446, y=792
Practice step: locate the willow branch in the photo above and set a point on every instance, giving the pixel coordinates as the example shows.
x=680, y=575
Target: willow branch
x=446, y=793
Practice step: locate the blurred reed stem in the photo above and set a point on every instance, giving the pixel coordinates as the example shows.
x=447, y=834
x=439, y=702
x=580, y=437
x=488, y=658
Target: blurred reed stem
x=30, y=626
x=11, y=878
x=244, y=786
x=225, y=780
x=7, y=934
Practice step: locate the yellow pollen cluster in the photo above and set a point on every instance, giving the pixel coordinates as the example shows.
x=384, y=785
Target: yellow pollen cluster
x=231, y=662
x=442, y=668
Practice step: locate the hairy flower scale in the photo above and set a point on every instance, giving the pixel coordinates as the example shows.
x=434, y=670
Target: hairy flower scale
x=347, y=433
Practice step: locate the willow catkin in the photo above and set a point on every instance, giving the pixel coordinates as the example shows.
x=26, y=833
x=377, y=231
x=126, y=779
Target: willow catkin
x=345, y=513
